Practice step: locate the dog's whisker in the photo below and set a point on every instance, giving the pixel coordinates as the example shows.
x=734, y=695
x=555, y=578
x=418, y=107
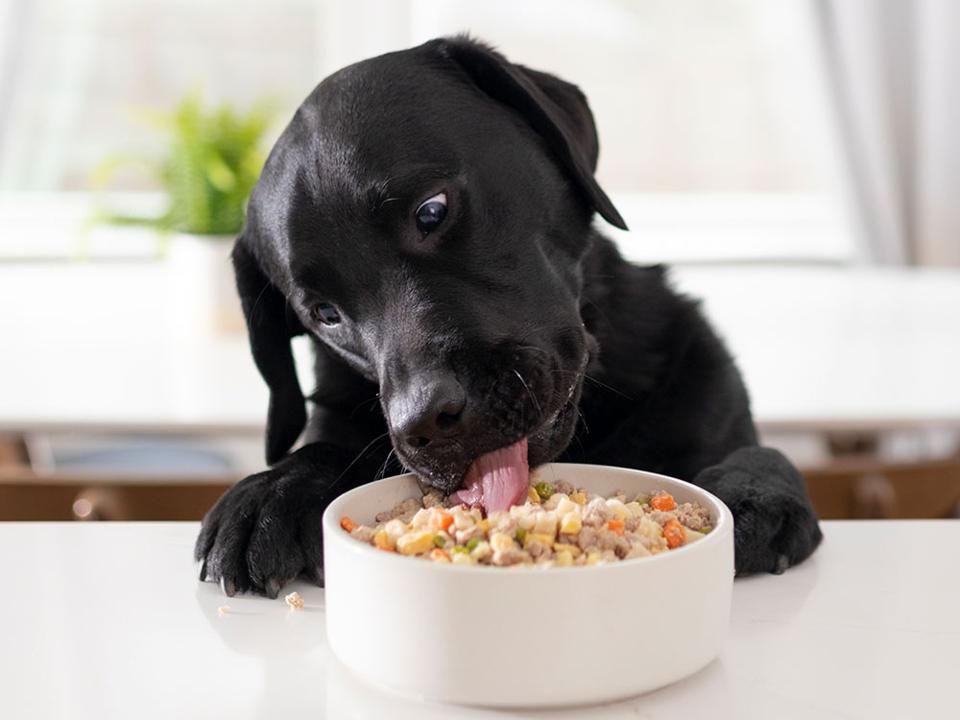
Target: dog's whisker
x=608, y=387
x=529, y=391
x=360, y=454
x=594, y=381
x=583, y=420
x=383, y=468
x=363, y=404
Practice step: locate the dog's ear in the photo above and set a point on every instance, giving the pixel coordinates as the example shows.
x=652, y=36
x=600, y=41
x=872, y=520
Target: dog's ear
x=556, y=109
x=270, y=325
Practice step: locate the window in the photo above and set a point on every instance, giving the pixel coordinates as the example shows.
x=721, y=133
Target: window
x=716, y=142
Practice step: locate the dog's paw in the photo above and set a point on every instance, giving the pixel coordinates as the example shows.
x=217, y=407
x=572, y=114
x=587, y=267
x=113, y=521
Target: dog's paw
x=264, y=532
x=775, y=526
x=772, y=532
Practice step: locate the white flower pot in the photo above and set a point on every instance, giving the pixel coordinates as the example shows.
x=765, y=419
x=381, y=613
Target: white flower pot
x=204, y=292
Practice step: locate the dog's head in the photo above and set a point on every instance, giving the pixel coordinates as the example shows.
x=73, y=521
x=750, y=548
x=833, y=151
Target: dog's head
x=424, y=216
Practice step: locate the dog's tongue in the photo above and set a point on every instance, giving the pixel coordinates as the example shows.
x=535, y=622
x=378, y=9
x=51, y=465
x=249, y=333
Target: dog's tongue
x=496, y=480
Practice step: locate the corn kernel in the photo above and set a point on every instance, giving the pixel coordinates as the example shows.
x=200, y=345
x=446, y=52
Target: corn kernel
x=563, y=558
x=594, y=557
x=564, y=547
x=579, y=498
x=533, y=496
x=415, y=543
x=501, y=542
x=571, y=523
x=382, y=540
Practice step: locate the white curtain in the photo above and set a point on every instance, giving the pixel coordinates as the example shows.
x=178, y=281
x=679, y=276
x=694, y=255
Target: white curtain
x=894, y=68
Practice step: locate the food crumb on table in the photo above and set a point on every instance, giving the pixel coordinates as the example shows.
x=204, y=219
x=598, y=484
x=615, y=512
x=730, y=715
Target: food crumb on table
x=223, y=610
x=294, y=600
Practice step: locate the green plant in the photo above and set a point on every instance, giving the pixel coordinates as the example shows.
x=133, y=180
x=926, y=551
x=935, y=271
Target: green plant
x=208, y=171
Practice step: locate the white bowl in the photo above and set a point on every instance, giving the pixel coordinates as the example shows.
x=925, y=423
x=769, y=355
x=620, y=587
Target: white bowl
x=527, y=637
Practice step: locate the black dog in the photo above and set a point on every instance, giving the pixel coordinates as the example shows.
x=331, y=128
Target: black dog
x=426, y=219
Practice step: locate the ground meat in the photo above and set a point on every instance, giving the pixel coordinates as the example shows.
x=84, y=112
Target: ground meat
x=433, y=498
x=537, y=549
x=564, y=487
x=403, y=511
x=660, y=517
x=695, y=517
x=609, y=540
x=587, y=537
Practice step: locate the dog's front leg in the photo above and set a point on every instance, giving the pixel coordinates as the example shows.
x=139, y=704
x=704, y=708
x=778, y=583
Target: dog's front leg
x=265, y=530
x=775, y=525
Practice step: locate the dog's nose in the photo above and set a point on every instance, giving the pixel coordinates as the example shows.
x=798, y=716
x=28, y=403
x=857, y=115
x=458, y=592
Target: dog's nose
x=432, y=408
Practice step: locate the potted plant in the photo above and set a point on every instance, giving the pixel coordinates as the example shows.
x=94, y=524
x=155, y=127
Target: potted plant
x=211, y=163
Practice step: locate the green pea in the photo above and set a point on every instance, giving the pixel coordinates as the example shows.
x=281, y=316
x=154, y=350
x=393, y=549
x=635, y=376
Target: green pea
x=521, y=535
x=472, y=544
x=460, y=549
x=642, y=499
x=439, y=541
x=544, y=490
x=706, y=529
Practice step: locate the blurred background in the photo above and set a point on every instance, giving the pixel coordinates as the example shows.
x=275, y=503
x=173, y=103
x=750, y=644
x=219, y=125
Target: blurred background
x=796, y=162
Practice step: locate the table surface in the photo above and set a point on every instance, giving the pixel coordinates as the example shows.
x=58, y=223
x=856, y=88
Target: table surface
x=109, y=621
x=114, y=347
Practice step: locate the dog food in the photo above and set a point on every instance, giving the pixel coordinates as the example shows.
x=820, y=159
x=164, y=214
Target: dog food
x=294, y=601
x=557, y=526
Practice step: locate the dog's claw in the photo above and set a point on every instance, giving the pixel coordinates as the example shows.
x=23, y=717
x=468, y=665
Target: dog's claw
x=229, y=589
x=272, y=588
x=203, y=570
x=783, y=562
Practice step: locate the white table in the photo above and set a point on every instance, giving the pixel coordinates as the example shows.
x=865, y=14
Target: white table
x=108, y=621
x=104, y=347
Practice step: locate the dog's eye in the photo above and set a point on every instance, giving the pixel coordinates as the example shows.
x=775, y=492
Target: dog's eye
x=431, y=213
x=326, y=313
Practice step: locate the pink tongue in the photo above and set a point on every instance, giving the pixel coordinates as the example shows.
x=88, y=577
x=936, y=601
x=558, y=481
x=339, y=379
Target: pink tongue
x=497, y=480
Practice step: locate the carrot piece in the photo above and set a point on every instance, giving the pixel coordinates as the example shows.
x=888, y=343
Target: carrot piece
x=663, y=501
x=347, y=524
x=674, y=533
x=616, y=526
x=438, y=555
x=442, y=520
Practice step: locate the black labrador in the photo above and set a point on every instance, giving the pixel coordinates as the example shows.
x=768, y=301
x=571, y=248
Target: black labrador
x=425, y=219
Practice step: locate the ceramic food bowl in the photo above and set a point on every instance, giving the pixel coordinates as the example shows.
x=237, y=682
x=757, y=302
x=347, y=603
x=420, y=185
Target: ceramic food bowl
x=527, y=637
